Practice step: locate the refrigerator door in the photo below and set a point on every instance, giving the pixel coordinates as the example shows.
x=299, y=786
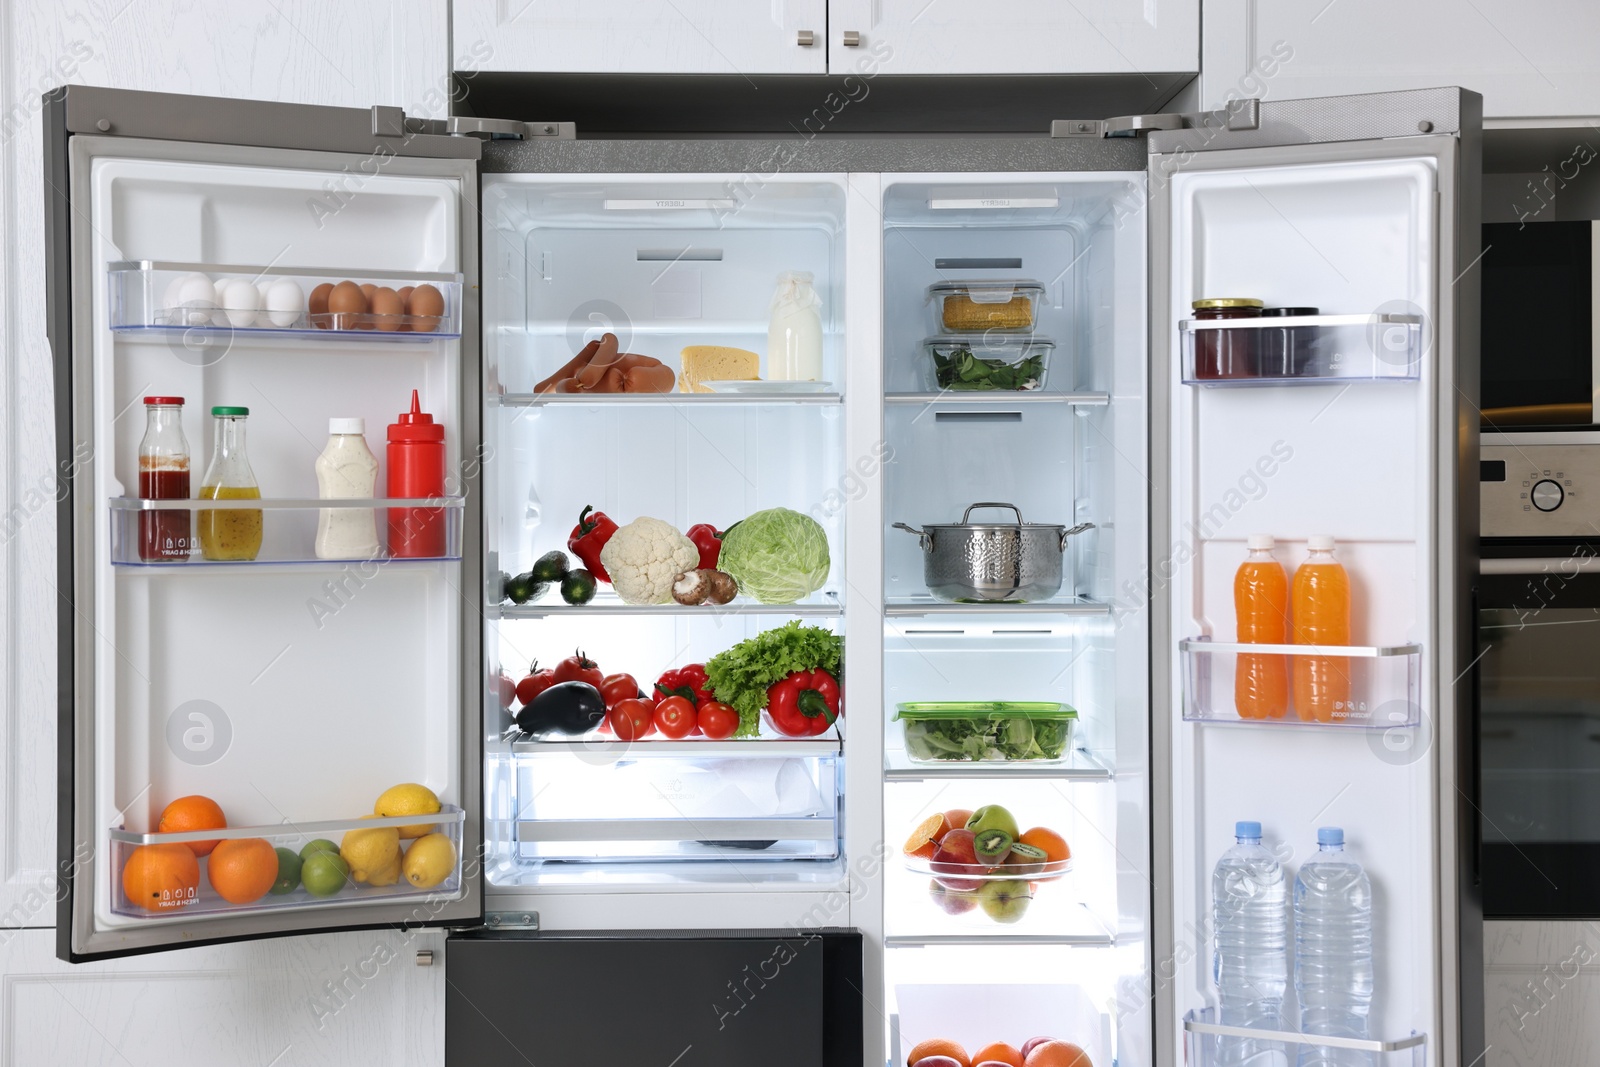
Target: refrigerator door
x=286, y=660
x=1352, y=416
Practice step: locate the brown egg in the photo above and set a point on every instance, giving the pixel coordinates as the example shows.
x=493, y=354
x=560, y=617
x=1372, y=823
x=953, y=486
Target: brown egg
x=317, y=305
x=346, y=305
x=387, y=308
x=405, y=301
x=367, y=289
x=426, y=308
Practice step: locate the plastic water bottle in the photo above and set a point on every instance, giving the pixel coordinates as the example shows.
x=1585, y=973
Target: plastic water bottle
x=1251, y=966
x=1333, y=951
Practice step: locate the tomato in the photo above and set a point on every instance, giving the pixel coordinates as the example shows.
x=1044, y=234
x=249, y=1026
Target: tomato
x=674, y=717
x=617, y=687
x=689, y=681
x=629, y=719
x=534, y=682
x=717, y=720
x=508, y=690
x=579, y=668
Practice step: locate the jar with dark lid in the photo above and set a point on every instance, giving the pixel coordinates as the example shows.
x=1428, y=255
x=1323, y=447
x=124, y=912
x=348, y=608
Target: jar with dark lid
x=1226, y=353
x=1288, y=351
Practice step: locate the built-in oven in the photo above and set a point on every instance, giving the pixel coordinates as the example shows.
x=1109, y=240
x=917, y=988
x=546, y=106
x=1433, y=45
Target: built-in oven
x=1538, y=675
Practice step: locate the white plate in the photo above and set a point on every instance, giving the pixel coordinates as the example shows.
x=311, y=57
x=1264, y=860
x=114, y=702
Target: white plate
x=760, y=386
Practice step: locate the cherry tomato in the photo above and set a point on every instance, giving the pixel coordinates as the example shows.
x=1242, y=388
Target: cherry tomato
x=619, y=687
x=629, y=719
x=674, y=717
x=717, y=720
x=534, y=682
x=579, y=668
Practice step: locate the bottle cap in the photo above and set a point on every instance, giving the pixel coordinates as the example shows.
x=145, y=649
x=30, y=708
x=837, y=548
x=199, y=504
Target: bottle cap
x=337, y=426
x=175, y=401
x=1320, y=543
x=1330, y=835
x=1260, y=542
x=230, y=412
x=416, y=424
x=1250, y=831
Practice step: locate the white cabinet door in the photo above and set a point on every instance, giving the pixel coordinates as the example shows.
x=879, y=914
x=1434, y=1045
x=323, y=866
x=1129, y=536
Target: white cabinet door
x=354, y=998
x=643, y=36
x=1541, y=993
x=1016, y=36
x=1529, y=58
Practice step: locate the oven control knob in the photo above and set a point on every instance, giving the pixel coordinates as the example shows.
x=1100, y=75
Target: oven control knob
x=1546, y=495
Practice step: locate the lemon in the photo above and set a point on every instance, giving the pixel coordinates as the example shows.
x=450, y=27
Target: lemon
x=373, y=855
x=408, y=799
x=429, y=861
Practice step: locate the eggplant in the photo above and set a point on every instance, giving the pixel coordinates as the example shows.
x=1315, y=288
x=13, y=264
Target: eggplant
x=564, y=708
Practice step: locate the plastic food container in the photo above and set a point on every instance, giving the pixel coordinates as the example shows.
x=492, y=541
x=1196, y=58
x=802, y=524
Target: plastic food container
x=994, y=731
x=992, y=363
x=980, y=306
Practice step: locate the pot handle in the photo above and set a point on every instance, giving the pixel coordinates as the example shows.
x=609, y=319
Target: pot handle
x=965, y=515
x=922, y=535
x=1078, y=529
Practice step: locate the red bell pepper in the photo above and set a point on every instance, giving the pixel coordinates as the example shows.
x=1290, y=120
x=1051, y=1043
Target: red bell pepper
x=689, y=681
x=589, y=537
x=805, y=703
x=706, y=538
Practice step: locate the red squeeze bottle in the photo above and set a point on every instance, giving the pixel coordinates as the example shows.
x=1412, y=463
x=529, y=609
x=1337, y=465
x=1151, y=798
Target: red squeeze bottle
x=416, y=469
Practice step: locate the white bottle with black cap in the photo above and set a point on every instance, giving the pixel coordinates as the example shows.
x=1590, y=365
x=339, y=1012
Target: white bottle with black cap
x=347, y=470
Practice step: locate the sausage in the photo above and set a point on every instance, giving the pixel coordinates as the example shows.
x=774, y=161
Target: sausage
x=610, y=382
x=604, y=357
x=566, y=385
x=574, y=365
x=656, y=379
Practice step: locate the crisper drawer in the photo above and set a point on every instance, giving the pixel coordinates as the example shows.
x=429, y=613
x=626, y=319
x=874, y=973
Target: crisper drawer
x=670, y=801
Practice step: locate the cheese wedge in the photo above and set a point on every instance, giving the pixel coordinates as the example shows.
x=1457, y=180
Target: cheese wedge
x=716, y=363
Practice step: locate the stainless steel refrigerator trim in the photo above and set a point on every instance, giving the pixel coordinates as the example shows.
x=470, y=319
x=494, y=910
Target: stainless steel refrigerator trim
x=76, y=939
x=1455, y=479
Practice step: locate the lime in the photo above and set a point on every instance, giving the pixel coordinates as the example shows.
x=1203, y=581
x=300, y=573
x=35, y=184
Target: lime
x=288, y=873
x=321, y=844
x=324, y=873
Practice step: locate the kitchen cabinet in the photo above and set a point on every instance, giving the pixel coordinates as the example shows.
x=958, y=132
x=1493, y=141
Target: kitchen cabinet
x=1542, y=987
x=644, y=36
x=1016, y=37
x=1529, y=58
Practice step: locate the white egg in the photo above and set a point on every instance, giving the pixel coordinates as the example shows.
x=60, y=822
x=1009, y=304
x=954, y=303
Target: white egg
x=284, y=301
x=196, y=296
x=241, y=299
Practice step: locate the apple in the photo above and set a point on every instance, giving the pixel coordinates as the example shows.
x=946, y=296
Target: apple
x=993, y=817
x=956, y=856
x=953, y=901
x=1032, y=1043
x=937, y=1061
x=955, y=819
x=1004, y=900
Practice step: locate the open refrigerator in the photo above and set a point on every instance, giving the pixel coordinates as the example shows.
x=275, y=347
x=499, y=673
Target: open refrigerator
x=540, y=243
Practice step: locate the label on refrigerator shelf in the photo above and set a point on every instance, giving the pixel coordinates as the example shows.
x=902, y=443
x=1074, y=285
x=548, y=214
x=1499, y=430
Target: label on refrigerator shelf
x=980, y=203
x=655, y=205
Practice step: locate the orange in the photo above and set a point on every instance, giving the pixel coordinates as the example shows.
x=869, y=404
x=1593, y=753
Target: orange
x=1054, y=846
x=161, y=877
x=193, y=813
x=999, y=1052
x=925, y=837
x=938, y=1046
x=242, y=871
x=1058, y=1054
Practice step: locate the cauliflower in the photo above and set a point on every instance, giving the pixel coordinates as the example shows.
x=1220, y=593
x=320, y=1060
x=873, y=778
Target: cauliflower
x=644, y=557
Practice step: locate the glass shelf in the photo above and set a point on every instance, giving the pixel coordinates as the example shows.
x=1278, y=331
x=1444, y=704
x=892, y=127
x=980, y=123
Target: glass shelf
x=919, y=606
x=1079, y=765
x=288, y=530
x=551, y=604
x=1002, y=399
x=1301, y=350
x=1067, y=923
x=1381, y=684
x=557, y=400
x=169, y=298
x=599, y=748
x=204, y=900
x=1207, y=1042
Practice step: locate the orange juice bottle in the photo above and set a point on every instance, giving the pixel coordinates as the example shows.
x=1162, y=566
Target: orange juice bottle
x=1261, y=605
x=1320, y=606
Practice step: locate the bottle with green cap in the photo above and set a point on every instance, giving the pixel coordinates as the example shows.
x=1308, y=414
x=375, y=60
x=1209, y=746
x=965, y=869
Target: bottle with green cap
x=229, y=534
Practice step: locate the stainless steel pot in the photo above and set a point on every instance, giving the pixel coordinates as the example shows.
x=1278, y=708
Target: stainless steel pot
x=993, y=561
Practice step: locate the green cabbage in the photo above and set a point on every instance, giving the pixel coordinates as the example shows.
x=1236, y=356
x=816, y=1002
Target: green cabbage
x=777, y=556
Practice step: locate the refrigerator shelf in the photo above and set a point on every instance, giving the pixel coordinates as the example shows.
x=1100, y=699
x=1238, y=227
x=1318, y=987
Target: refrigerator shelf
x=551, y=604
x=558, y=400
x=1079, y=766
x=1072, y=923
x=205, y=901
x=1301, y=349
x=718, y=831
x=1084, y=940
x=1205, y=1040
x=1384, y=683
x=288, y=529
x=920, y=606
x=660, y=748
x=999, y=398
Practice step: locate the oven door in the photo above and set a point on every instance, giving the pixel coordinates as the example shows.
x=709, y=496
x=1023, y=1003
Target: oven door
x=1539, y=735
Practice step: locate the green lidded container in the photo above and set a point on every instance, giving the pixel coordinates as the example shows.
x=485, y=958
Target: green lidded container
x=986, y=731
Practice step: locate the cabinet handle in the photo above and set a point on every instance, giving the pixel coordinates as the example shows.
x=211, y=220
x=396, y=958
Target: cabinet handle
x=852, y=38
x=805, y=38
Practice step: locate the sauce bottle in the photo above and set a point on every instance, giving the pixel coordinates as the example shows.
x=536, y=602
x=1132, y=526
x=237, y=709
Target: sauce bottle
x=347, y=470
x=1320, y=607
x=1261, y=607
x=230, y=535
x=164, y=536
x=1226, y=353
x=416, y=469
